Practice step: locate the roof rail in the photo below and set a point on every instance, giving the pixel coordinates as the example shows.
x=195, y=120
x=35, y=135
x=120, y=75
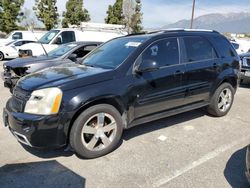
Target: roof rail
x=179, y=30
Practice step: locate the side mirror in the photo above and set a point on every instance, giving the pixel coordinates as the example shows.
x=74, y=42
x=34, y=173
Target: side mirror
x=73, y=57
x=147, y=65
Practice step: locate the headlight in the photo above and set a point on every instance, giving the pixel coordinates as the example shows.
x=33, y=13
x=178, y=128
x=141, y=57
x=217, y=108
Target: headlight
x=44, y=102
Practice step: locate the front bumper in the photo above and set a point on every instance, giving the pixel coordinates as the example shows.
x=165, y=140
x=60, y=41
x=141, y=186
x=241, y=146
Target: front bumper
x=248, y=163
x=36, y=130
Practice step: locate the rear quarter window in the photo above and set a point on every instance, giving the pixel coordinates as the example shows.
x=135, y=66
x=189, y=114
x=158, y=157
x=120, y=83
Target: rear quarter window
x=223, y=46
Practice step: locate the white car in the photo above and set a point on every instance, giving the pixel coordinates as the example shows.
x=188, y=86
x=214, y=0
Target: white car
x=25, y=35
x=10, y=50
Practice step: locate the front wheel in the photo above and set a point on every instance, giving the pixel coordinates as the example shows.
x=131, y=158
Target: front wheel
x=222, y=100
x=97, y=131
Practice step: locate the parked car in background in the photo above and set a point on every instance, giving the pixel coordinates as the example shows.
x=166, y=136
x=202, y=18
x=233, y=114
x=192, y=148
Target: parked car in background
x=248, y=163
x=237, y=47
x=244, y=45
x=26, y=35
x=10, y=50
x=125, y=82
x=87, y=32
x=17, y=68
x=245, y=67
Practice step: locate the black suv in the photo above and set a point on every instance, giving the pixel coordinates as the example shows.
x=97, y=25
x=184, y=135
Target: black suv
x=124, y=82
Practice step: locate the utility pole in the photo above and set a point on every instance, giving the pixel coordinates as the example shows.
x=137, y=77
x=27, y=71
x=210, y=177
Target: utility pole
x=192, y=19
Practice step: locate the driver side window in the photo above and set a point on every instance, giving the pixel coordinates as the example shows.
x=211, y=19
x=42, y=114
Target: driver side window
x=17, y=35
x=163, y=52
x=65, y=37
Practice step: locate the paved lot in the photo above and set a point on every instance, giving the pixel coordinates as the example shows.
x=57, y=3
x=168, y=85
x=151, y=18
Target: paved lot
x=188, y=150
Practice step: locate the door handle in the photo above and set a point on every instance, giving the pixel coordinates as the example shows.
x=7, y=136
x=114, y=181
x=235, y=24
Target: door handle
x=178, y=72
x=215, y=65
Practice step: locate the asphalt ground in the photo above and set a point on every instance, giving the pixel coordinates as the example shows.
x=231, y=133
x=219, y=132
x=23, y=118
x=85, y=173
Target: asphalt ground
x=191, y=149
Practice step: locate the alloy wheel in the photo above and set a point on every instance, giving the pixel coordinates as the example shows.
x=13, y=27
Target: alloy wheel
x=225, y=100
x=99, y=131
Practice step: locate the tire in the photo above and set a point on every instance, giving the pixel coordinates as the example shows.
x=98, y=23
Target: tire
x=222, y=100
x=1, y=56
x=91, y=135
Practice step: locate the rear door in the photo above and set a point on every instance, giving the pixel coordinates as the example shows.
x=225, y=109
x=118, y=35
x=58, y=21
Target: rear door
x=202, y=68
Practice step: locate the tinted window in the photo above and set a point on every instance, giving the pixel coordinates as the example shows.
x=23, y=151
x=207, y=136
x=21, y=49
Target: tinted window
x=224, y=47
x=68, y=36
x=198, y=49
x=164, y=52
x=17, y=35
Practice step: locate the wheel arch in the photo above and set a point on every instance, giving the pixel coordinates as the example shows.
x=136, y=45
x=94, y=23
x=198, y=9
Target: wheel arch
x=231, y=80
x=113, y=101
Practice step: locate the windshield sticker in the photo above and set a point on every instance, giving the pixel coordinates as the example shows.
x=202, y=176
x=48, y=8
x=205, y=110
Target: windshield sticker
x=133, y=44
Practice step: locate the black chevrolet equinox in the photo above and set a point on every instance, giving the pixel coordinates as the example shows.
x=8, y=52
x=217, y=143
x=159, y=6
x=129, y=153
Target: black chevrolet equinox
x=125, y=82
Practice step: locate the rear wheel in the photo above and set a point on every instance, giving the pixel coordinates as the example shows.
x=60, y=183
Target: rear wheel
x=1, y=56
x=222, y=100
x=97, y=131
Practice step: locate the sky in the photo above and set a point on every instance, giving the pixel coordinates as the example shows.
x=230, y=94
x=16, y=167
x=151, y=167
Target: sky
x=157, y=13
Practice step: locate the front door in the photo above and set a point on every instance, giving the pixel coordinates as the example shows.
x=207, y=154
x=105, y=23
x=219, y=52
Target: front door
x=161, y=89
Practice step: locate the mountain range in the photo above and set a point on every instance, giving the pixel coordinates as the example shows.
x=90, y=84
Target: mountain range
x=230, y=22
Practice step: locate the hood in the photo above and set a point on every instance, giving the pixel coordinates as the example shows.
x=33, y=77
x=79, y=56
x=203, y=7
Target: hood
x=68, y=76
x=23, y=62
x=4, y=41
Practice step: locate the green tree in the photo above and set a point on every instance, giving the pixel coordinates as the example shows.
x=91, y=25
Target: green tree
x=9, y=14
x=136, y=19
x=75, y=13
x=114, y=13
x=46, y=12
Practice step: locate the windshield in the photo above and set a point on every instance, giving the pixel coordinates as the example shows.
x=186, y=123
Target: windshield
x=48, y=36
x=9, y=35
x=8, y=44
x=61, y=50
x=113, y=53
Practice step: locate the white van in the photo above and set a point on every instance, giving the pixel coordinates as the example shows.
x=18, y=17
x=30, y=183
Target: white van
x=26, y=35
x=86, y=32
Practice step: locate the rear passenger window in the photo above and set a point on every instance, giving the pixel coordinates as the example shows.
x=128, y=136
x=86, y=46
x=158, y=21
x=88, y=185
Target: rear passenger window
x=224, y=47
x=198, y=49
x=164, y=52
